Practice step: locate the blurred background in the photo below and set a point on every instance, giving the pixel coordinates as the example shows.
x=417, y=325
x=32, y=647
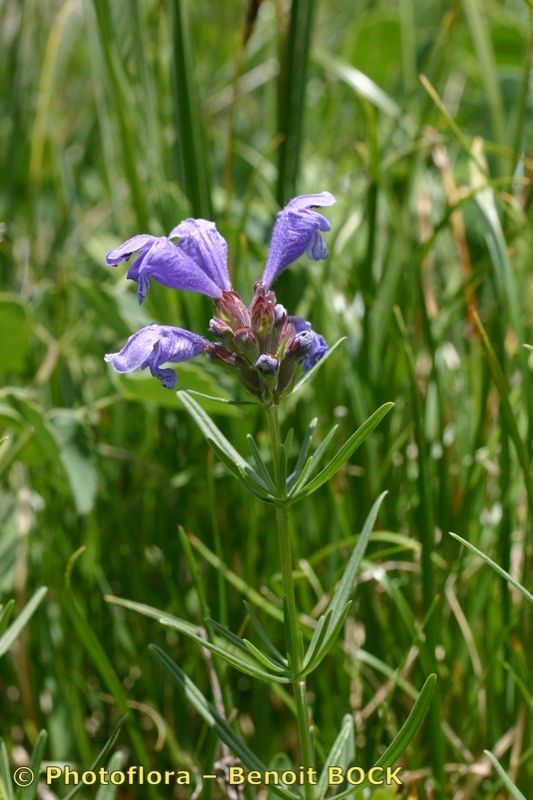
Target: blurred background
x=126, y=117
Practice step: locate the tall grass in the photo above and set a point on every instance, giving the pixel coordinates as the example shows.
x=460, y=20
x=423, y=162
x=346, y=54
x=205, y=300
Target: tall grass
x=115, y=120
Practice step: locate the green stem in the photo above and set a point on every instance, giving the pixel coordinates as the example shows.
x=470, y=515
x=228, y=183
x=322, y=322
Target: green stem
x=292, y=635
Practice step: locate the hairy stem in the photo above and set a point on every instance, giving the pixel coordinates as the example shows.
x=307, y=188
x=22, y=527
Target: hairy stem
x=293, y=638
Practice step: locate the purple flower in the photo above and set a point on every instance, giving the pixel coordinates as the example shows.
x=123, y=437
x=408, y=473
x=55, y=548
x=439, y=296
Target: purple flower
x=317, y=347
x=200, y=240
x=155, y=345
x=180, y=266
x=259, y=343
x=296, y=231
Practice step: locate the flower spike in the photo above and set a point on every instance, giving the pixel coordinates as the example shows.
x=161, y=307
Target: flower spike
x=259, y=343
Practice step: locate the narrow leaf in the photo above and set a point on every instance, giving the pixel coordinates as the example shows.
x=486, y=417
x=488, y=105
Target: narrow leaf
x=263, y=658
x=6, y=784
x=310, y=374
x=348, y=448
x=404, y=735
x=341, y=754
x=260, y=464
x=30, y=792
x=506, y=780
x=313, y=462
x=102, y=755
x=210, y=430
x=214, y=720
x=150, y=611
x=232, y=655
x=345, y=586
x=15, y=628
x=263, y=635
x=302, y=457
x=247, y=476
x=496, y=567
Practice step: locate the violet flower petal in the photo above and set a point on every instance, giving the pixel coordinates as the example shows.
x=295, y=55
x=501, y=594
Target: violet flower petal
x=297, y=230
x=200, y=239
x=319, y=346
x=170, y=266
x=142, y=241
x=155, y=345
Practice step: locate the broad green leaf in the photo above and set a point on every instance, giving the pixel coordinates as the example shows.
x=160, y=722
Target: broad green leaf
x=506, y=780
x=214, y=720
x=496, y=567
x=102, y=755
x=76, y=457
x=310, y=374
x=341, y=754
x=7, y=639
x=15, y=324
x=404, y=735
x=347, y=449
x=142, y=387
x=43, y=445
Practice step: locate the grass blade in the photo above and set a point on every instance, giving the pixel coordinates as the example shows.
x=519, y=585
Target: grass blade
x=292, y=93
x=102, y=755
x=15, y=628
x=496, y=567
x=507, y=782
x=192, y=152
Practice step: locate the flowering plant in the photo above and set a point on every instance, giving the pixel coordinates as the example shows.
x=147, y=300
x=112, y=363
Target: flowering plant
x=265, y=348
x=261, y=344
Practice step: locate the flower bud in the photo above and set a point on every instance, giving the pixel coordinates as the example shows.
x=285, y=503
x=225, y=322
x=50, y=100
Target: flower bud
x=280, y=314
x=267, y=364
x=232, y=310
x=219, y=328
x=301, y=344
x=262, y=317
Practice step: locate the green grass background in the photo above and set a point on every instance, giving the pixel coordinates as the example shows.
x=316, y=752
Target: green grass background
x=129, y=116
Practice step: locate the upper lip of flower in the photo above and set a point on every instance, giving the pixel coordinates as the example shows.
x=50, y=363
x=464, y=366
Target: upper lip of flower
x=198, y=262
